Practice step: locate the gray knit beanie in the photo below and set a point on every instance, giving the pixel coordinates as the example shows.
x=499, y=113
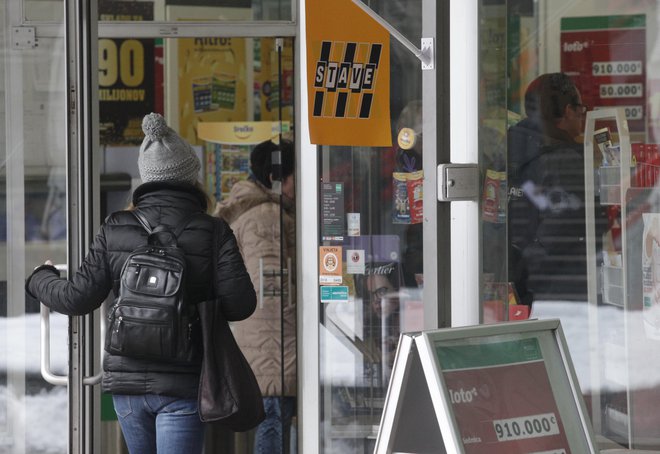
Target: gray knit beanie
x=164, y=155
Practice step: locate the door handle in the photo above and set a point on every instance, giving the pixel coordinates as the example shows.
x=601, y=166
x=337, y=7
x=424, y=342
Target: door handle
x=274, y=273
x=46, y=372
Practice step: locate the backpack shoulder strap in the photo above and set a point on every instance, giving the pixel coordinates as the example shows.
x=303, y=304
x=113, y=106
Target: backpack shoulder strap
x=143, y=221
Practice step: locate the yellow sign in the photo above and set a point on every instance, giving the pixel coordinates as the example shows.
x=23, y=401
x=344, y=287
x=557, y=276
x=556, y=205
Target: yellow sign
x=406, y=138
x=348, y=72
x=241, y=132
x=212, y=82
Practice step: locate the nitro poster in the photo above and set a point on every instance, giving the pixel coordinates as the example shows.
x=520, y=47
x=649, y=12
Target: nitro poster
x=128, y=76
x=212, y=83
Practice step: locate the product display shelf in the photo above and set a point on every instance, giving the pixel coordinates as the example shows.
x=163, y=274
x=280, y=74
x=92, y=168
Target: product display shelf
x=610, y=189
x=606, y=186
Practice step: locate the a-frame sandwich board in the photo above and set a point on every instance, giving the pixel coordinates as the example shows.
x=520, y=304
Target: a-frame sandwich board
x=507, y=388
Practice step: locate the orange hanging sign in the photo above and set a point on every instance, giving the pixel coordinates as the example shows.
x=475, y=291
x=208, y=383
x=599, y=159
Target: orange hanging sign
x=348, y=76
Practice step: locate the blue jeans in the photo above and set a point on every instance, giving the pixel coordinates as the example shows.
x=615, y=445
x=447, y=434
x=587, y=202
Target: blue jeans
x=268, y=439
x=159, y=424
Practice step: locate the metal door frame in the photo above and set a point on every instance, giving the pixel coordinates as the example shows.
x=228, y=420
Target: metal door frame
x=463, y=118
x=80, y=18
x=194, y=29
x=15, y=173
x=77, y=219
x=449, y=276
x=439, y=268
x=81, y=32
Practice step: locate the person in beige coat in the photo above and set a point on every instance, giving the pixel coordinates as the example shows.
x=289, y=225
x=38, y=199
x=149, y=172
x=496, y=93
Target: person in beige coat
x=263, y=222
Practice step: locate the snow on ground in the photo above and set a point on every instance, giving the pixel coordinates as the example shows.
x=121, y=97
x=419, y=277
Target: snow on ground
x=620, y=352
x=33, y=414
x=37, y=423
x=38, y=420
x=20, y=344
x=603, y=346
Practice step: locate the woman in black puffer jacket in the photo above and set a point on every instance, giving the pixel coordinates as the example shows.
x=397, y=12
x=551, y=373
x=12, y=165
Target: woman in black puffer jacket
x=156, y=402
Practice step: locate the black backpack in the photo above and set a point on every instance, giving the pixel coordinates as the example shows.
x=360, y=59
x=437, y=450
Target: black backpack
x=150, y=318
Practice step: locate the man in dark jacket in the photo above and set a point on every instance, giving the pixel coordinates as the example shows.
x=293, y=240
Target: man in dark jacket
x=546, y=191
x=156, y=402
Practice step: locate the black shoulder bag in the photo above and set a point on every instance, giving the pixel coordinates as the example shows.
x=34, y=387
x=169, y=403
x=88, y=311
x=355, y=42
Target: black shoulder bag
x=228, y=390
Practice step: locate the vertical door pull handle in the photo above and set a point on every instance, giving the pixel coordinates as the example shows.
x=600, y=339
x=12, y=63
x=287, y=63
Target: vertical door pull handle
x=46, y=372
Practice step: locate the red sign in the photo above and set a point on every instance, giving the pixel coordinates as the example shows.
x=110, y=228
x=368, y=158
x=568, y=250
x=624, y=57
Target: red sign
x=506, y=410
x=606, y=57
x=502, y=399
x=518, y=312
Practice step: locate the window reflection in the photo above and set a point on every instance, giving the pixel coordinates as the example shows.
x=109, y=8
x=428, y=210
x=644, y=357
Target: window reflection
x=32, y=227
x=591, y=268
x=381, y=215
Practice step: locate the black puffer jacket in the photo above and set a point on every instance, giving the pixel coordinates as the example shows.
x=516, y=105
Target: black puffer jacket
x=547, y=211
x=121, y=233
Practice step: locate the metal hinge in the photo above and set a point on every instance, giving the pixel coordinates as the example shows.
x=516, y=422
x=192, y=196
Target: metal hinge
x=23, y=37
x=427, y=54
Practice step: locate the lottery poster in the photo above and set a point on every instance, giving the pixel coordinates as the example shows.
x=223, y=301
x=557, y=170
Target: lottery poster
x=502, y=398
x=130, y=76
x=212, y=82
x=606, y=57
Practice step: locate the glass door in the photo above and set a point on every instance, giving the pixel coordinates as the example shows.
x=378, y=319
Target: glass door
x=71, y=136
x=33, y=226
x=229, y=91
x=232, y=98
x=567, y=121
x=377, y=273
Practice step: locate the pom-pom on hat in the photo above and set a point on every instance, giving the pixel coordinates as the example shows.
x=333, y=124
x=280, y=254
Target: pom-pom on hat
x=164, y=155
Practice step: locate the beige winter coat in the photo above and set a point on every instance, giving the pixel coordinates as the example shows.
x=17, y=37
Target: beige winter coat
x=253, y=212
